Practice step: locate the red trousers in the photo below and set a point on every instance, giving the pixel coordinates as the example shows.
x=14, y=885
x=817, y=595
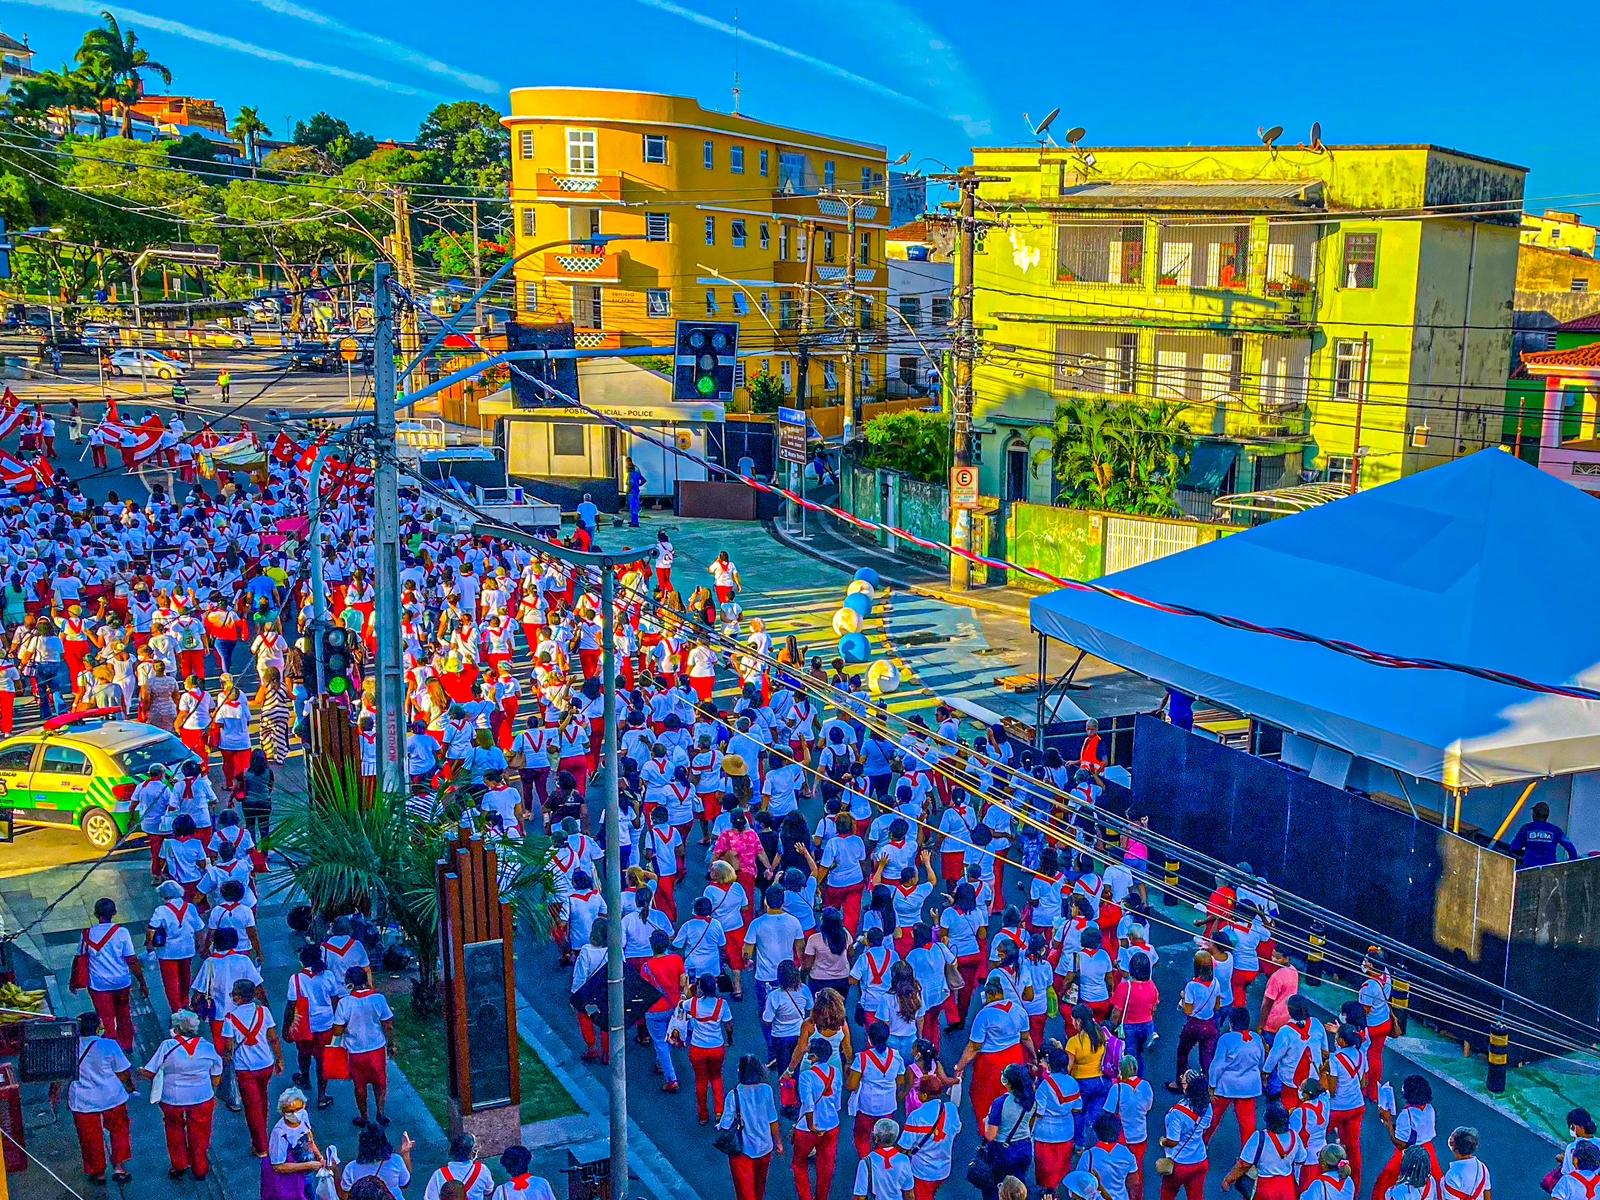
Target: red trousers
x=1190, y=1178
x=707, y=1064
x=253, y=1087
x=969, y=965
x=818, y=1185
x=370, y=1068
x=848, y=901
x=1241, y=987
x=195, y=739
x=188, y=1128
x=1051, y=1163
x=1379, y=1034
x=589, y=660
x=951, y=865
x=749, y=1176
x=861, y=1132
x=116, y=1015
x=8, y=706
x=1345, y=1128
x=176, y=976
x=927, y=1189
x=92, y=1130
x=1275, y=1187
x=155, y=840
x=1244, y=1110
x=234, y=764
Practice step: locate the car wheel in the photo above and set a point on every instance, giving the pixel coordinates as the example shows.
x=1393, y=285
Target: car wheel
x=99, y=830
x=166, y=375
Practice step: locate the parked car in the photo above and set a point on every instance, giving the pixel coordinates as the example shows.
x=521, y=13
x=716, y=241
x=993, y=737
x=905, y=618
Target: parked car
x=150, y=363
x=313, y=356
x=99, y=335
x=81, y=770
x=220, y=337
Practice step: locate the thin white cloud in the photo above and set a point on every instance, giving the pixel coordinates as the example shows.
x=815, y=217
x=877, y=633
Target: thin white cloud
x=386, y=47
x=222, y=41
x=810, y=60
x=899, y=37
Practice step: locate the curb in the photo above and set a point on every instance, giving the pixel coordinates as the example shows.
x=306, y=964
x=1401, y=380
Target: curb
x=646, y=1163
x=968, y=600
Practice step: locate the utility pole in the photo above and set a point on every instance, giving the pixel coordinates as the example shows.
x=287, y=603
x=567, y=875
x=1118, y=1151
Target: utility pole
x=477, y=269
x=1361, y=401
x=803, y=355
x=406, y=264
x=391, y=676
x=852, y=383
x=965, y=352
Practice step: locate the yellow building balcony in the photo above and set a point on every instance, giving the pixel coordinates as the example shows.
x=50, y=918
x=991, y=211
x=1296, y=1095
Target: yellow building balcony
x=596, y=339
x=583, y=266
x=824, y=274
x=556, y=187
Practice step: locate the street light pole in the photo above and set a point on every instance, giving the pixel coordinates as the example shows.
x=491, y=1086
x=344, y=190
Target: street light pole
x=391, y=697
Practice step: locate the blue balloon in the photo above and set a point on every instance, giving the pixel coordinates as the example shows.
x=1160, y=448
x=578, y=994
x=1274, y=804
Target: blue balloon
x=861, y=603
x=868, y=575
x=853, y=648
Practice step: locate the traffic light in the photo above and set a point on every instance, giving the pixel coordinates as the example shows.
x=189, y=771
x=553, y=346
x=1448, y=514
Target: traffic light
x=707, y=351
x=337, y=675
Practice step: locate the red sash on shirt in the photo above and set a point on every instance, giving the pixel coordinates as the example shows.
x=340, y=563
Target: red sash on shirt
x=252, y=1035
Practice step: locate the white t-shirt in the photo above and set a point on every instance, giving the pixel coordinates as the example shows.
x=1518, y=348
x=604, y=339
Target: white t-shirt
x=97, y=1087
x=109, y=948
x=187, y=1068
x=245, y=1029
x=363, y=1013
x=181, y=921
x=773, y=935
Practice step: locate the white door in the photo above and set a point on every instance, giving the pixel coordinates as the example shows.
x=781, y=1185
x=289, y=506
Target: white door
x=663, y=469
x=1132, y=543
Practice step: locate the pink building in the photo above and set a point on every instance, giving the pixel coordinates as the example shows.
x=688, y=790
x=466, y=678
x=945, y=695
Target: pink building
x=1569, y=446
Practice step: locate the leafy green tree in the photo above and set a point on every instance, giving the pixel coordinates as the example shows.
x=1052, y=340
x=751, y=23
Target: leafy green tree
x=123, y=63
x=914, y=443
x=451, y=252
x=334, y=137
x=466, y=146
x=767, y=393
x=248, y=130
x=1121, y=456
x=347, y=853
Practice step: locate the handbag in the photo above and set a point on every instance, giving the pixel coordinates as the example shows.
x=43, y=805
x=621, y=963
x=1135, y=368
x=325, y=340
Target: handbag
x=730, y=1141
x=335, y=1063
x=158, y=1080
x=1167, y=1163
x=983, y=1172
x=789, y=1096
x=79, y=979
x=1245, y=1185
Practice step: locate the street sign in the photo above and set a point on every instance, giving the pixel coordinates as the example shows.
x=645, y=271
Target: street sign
x=349, y=349
x=963, y=487
x=792, y=436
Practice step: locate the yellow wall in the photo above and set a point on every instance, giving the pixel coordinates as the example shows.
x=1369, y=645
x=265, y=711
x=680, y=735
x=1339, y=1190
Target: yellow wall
x=1412, y=314
x=1559, y=231
x=1543, y=270
x=624, y=189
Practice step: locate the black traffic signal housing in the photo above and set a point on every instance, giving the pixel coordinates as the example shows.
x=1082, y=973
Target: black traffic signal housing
x=706, y=354
x=338, y=664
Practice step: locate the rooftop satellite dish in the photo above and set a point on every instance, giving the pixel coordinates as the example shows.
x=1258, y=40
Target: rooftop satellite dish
x=1075, y=135
x=1269, y=136
x=1043, y=128
x=1316, y=137
x=902, y=160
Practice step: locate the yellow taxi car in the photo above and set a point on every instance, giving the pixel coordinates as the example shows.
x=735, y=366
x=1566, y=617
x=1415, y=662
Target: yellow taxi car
x=80, y=769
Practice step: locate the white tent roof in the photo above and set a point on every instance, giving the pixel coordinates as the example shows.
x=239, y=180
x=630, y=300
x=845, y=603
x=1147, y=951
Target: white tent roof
x=1484, y=561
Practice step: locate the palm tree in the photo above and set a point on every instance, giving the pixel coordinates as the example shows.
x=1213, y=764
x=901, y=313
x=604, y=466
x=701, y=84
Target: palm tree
x=247, y=128
x=125, y=60
x=90, y=86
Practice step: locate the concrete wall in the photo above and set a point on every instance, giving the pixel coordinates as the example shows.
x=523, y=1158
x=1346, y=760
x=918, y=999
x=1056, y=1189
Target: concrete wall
x=1543, y=270
x=1071, y=542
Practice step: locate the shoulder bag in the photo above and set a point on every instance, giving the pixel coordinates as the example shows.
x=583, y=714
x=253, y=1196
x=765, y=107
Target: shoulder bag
x=730, y=1141
x=984, y=1172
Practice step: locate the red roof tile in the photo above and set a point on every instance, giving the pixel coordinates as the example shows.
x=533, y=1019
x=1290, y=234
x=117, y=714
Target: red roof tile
x=1578, y=356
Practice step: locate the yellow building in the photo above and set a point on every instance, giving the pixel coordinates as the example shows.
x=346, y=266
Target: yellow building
x=1559, y=231
x=1310, y=309
x=725, y=217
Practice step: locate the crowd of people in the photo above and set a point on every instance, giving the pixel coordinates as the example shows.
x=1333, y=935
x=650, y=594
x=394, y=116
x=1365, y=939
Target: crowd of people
x=930, y=927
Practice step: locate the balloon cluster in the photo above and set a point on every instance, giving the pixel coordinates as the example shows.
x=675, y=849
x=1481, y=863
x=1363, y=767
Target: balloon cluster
x=848, y=625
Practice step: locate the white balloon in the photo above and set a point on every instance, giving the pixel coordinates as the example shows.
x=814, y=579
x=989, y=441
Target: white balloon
x=846, y=620
x=882, y=678
x=862, y=586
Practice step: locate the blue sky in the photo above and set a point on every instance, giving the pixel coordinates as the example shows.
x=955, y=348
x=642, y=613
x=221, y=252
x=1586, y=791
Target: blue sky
x=918, y=76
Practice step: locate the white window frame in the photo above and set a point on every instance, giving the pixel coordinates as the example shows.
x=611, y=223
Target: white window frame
x=764, y=160
x=738, y=232
x=708, y=155
x=659, y=142
x=525, y=144
x=786, y=371
x=658, y=302
x=830, y=173
x=713, y=305
x=583, y=152
x=766, y=236
x=711, y=231
x=741, y=303
x=654, y=221
x=530, y=222
x=530, y=295
x=1348, y=351
x=736, y=159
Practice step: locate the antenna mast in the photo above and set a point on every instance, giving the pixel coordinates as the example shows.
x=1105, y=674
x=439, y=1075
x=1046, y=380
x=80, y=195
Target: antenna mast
x=736, y=88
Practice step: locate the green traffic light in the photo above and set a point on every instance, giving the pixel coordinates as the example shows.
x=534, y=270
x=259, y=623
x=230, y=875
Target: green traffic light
x=338, y=685
x=705, y=385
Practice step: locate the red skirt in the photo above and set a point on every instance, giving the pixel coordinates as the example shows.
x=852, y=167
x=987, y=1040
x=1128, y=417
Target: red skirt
x=986, y=1071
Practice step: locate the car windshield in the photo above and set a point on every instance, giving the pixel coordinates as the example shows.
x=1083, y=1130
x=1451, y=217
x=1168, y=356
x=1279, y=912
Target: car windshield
x=167, y=750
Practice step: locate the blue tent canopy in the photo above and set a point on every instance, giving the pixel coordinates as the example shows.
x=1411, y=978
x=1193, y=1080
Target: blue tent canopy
x=1484, y=561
